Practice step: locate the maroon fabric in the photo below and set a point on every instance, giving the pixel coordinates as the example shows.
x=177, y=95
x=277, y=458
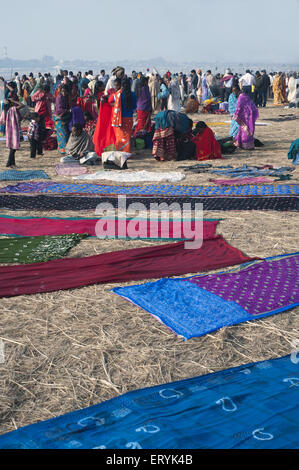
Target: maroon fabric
x=119, y=266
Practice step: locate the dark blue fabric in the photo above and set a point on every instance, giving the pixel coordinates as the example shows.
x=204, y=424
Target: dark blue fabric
x=253, y=406
x=125, y=112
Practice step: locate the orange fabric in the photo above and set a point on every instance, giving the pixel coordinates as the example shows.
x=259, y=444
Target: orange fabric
x=116, y=113
x=207, y=147
x=123, y=135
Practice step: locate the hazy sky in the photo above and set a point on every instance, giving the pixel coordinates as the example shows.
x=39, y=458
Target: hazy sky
x=178, y=30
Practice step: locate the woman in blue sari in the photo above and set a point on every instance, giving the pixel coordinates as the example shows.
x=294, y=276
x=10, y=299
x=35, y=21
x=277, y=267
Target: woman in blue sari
x=232, y=103
x=205, y=90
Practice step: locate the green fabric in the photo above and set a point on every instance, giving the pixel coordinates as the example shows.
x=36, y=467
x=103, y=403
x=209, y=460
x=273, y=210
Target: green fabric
x=140, y=144
x=24, y=250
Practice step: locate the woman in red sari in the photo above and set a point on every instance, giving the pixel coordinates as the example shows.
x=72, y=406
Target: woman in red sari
x=207, y=147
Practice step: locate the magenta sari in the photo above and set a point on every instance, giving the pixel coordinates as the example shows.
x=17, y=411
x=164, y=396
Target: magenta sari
x=246, y=114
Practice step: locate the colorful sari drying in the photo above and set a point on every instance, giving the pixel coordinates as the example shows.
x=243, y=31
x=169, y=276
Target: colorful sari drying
x=17, y=175
x=119, y=266
x=199, y=305
x=253, y=406
x=37, y=249
x=245, y=115
x=210, y=203
x=97, y=227
x=159, y=190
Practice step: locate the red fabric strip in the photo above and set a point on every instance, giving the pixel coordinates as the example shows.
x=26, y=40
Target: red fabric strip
x=120, y=266
x=44, y=226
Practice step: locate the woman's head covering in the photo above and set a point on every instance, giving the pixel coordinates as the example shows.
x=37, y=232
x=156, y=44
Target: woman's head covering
x=118, y=72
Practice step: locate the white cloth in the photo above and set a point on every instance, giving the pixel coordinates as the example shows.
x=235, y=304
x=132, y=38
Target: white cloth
x=246, y=80
x=110, y=83
x=115, y=156
x=126, y=176
x=292, y=96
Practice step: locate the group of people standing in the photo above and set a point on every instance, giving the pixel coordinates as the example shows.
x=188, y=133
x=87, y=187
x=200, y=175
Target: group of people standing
x=102, y=106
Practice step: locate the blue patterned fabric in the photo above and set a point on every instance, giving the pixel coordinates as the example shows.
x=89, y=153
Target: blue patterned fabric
x=198, y=305
x=183, y=307
x=245, y=171
x=166, y=189
x=254, y=406
x=15, y=175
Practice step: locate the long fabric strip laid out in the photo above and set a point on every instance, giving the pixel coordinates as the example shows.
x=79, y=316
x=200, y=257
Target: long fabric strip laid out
x=254, y=406
x=105, y=227
x=245, y=171
x=201, y=304
x=133, y=176
x=15, y=175
x=241, y=181
x=37, y=249
x=119, y=266
x=162, y=190
x=70, y=169
x=79, y=203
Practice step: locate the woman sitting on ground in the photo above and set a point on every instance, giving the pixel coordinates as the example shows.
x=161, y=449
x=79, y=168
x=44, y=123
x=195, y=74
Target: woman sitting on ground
x=79, y=146
x=207, y=147
x=192, y=105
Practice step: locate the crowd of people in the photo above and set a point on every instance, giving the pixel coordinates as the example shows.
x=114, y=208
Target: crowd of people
x=83, y=115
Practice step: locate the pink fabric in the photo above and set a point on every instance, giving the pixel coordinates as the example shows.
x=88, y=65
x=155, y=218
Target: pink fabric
x=33, y=227
x=70, y=169
x=255, y=180
x=12, y=127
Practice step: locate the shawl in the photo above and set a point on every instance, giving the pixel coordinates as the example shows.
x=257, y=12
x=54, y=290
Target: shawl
x=79, y=144
x=12, y=127
x=246, y=113
x=144, y=102
x=37, y=249
x=61, y=104
x=207, y=146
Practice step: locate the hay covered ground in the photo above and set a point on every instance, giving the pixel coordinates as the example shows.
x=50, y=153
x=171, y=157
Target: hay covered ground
x=71, y=349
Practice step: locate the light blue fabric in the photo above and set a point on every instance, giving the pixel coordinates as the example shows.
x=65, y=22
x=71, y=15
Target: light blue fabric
x=254, y=406
x=232, y=104
x=17, y=175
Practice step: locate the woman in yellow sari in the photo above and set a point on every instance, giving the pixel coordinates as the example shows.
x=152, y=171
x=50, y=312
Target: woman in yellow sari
x=277, y=89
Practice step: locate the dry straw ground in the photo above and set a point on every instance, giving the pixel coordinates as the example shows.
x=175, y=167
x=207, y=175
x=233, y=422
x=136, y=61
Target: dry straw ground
x=70, y=349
